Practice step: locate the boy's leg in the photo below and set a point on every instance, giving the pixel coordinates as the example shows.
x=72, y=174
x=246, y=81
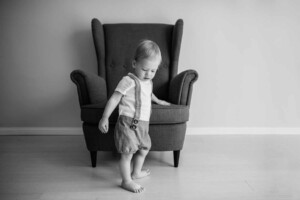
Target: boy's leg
x=127, y=182
x=138, y=162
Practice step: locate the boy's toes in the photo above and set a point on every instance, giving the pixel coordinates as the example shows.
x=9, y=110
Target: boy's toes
x=141, y=189
x=132, y=187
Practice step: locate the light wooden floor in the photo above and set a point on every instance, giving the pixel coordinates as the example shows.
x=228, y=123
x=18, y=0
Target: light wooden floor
x=257, y=167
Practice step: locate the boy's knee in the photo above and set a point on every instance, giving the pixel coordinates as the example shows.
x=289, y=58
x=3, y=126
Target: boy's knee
x=126, y=156
x=143, y=152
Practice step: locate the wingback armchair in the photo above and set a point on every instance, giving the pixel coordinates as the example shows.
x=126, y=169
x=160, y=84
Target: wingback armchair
x=115, y=46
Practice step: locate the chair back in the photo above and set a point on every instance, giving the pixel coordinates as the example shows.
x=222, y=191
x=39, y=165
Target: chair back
x=115, y=46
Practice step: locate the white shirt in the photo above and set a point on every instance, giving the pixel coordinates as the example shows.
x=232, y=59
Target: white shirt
x=127, y=104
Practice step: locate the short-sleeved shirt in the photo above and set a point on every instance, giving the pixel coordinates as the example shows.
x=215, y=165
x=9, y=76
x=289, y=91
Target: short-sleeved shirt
x=127, y=104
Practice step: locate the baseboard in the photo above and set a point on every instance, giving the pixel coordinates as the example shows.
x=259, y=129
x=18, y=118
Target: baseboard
x=243, y=131
x=190, y=131
x=41, y=131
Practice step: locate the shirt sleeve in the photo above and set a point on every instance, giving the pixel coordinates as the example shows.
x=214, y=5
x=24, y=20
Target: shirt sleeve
x=124, y=85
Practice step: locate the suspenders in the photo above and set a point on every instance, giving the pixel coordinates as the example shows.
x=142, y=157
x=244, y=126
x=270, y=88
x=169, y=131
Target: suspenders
x=138, y=102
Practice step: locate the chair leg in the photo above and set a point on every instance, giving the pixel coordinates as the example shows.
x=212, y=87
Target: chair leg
x=94, y=158
x=176, y=157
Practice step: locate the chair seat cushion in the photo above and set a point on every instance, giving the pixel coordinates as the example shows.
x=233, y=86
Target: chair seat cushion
x=173, y=114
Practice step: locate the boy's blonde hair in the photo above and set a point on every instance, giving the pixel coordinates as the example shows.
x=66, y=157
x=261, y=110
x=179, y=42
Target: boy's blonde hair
x=147, y=49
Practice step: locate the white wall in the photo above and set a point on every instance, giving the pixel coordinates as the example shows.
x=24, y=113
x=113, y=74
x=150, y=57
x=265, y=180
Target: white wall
x=246, y=53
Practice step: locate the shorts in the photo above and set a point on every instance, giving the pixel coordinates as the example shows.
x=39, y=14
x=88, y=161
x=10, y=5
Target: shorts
x=129, y=140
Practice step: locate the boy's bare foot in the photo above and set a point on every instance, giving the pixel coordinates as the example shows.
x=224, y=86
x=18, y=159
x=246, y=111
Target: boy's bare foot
x=142, y=174
x=132, y=187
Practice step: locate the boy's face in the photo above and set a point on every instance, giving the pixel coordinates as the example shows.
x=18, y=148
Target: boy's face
x=146, y=69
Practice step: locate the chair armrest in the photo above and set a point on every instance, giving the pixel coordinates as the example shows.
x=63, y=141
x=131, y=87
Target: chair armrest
x=91, y=88
x=181, y=87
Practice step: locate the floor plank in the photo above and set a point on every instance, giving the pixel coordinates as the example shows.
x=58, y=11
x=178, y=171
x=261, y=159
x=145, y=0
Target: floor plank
x=232, y=167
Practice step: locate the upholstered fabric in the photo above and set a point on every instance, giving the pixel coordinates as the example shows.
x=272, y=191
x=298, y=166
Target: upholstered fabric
x=99, y=42
x=173, y=114
x=94, y=86
x=82, y=91
x=181, y=87
x=116, y=53
x=121, y=41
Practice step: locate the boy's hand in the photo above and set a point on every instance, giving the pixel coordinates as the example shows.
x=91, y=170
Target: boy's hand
x=164, y=103
x=103, y=125
x=158, y=101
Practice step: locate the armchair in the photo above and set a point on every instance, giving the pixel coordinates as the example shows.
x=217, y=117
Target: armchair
x=115, y=45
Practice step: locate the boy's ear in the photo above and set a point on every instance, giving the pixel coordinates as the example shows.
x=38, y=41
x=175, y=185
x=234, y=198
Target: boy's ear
x=133, y=63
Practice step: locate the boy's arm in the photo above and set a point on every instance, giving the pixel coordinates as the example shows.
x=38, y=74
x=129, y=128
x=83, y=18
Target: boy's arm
x=109, y=108
x=158, y=101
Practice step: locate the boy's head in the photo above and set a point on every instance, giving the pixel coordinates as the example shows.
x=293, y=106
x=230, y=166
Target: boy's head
x=146, y=60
